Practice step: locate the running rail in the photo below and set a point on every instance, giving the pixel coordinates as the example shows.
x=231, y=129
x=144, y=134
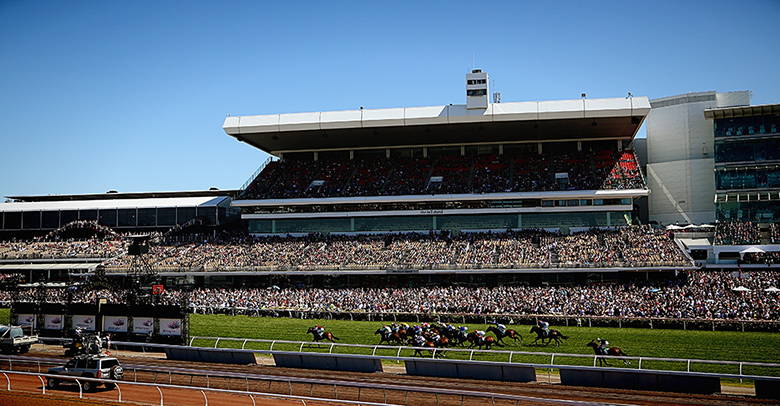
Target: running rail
x=399, y=388
x=471, y=352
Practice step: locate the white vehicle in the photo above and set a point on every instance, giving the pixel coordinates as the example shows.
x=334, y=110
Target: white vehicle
x=12, y=339
x=98, y=366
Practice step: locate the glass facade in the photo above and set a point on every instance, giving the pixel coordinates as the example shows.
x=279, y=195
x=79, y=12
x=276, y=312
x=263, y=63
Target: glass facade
x=440, y=222
x=765, y=211
x=748, y=178
x=144, y=217
x=747, y=126
x=747, y=151
x=108, y=217
x=747, y=168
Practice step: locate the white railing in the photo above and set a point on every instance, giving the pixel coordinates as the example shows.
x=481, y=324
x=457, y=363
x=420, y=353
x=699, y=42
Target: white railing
x=463, y=394
x=471, y=352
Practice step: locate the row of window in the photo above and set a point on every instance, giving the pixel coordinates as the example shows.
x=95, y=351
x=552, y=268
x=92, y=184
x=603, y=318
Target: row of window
x=754, y=125
x=427, y=223
x=748, y=179
x=761, y=211
x=148, y=217
x=584, y=202
x=747, y=151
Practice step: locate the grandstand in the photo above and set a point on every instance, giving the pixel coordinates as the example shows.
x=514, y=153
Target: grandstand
x=481, y=193
x=473, y=179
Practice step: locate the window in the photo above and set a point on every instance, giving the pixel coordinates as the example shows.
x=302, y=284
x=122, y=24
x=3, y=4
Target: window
x=108, y=217
x=50, y=219
x=147, y=217
x=126, y=217
x=31, y=219
x=476, y=92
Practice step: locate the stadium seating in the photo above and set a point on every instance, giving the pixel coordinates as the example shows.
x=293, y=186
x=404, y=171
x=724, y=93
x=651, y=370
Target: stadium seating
x=487, y=173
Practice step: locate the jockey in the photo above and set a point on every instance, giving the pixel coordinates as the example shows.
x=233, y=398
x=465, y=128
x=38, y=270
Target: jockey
x=480, y=335
x=417, y=330
x=435, y=338
x=603, y=343
x=501, y=327
x=404, y=326
x=319, y=329
x=419, y=340
x=462, y=330
x=545, y=326
x=394, y=327
x=425, y=326
x=386, y=330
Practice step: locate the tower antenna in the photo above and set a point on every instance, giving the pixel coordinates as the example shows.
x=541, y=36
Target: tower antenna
x=496, y=94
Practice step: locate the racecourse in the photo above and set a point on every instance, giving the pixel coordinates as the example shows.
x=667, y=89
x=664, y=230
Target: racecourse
x=655, y=343
x=658, y=343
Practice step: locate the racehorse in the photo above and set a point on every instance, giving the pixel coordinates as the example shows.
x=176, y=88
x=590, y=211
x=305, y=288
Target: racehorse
x=326, y=335
x=487, y=341
x=612, y=351
x=391, y=337
x=442, y=342
x=459, y=338
x=552, y=335
x=514, y=335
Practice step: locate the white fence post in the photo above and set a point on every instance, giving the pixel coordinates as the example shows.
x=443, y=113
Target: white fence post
x=161, y=396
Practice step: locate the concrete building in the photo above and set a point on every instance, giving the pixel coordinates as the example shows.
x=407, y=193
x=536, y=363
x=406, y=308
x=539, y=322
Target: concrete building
x=681, y=156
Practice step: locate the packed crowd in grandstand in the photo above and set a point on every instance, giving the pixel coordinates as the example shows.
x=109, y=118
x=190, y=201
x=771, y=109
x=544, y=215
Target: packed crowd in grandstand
x=693, y=295
x=486, y=173
x=737, y=233
x=619, y=247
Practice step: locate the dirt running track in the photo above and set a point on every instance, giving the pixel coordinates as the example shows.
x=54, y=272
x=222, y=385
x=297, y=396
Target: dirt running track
x=27, y=391
x=68, y=395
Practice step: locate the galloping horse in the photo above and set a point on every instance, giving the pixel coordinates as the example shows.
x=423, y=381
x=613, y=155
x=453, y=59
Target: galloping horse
x=613, y=351
x=552, y=335
x=326, y=335
x=390, y=338
x=459, y=338
x=442, y=342
x=514, y=335
x=487, y=341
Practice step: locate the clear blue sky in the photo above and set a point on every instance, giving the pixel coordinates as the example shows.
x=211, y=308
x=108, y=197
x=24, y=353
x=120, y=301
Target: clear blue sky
x=131, y=96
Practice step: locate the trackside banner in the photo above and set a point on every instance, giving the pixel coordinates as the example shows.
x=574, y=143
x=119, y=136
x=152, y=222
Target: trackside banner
x=28, y=320
x=116, y=324
x=143, y=325
x=84, y=322
x=170, y=327
x=52, y=321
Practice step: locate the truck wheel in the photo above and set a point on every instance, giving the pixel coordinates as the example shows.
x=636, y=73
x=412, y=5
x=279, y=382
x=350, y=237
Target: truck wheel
x=52, y=383
x=88, y=386
x=24, y=349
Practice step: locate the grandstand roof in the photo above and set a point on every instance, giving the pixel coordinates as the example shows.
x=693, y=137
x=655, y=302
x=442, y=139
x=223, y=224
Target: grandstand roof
x=562, y=120
x=124, y=196
x=203, y=201
x=742, y=111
